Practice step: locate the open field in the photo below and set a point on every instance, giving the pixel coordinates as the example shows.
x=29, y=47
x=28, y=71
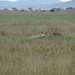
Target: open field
x=22, y=53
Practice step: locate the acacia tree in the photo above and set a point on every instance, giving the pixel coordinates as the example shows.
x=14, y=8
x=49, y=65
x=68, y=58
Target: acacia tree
x=6, y=9
x=69, y=8
x=15, y=9
x=22, y=10
x=30, y=8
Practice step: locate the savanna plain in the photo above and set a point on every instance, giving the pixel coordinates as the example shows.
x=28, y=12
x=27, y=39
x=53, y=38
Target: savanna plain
x=23, y=54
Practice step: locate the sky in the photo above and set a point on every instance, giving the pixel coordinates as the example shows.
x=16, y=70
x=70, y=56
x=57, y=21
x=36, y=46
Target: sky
x=64, y=0
x=26, y=0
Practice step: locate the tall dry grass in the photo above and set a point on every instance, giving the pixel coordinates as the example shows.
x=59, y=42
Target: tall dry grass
x=47, y=55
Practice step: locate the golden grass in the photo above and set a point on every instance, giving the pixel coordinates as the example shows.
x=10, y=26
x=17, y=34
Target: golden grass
x=46, y=55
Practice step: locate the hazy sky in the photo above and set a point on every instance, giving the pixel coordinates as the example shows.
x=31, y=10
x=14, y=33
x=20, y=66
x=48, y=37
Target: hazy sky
x=26, y=0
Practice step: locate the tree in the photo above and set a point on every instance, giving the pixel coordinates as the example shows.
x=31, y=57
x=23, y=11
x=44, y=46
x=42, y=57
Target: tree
x=58, y=9
x=30, y=8
x=36, y=10
x=5, y=9
x=15, y=9
x=69, y=8
x=53, y=10
x=22, y=10
x=39, y=9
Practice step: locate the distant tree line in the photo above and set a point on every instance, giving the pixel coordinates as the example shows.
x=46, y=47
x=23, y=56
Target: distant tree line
x=51, y=10
x=61, y=9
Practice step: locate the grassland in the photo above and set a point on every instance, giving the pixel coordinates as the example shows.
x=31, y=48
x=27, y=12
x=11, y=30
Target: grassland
x=47, y=55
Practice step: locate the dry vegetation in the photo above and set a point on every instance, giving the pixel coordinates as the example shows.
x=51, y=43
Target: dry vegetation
x=46, y=55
